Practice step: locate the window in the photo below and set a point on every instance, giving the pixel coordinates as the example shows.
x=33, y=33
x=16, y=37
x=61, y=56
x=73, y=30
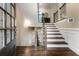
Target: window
x=7, y=23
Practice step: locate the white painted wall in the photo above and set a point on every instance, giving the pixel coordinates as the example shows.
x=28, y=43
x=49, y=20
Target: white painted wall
x=24, y=12
x=70, y=30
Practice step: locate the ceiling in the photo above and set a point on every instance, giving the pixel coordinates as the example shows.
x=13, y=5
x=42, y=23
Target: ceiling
x=47, y=5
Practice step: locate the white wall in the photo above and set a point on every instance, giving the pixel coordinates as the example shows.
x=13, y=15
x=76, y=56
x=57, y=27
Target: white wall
x=70, y=30
x=24, y=12
x=30, y=11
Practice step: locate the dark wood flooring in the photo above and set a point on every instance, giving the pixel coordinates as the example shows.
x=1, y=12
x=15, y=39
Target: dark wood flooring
x=31, y=51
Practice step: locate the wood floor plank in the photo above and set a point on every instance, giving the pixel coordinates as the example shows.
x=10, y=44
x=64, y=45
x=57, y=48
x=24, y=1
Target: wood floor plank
x=26, y=51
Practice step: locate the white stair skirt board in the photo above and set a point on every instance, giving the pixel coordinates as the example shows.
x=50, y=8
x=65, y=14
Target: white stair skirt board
x=57, y=45
x=55, y=40
x=52, y=32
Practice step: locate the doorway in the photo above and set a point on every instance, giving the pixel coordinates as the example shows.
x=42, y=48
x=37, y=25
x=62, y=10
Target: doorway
x=47, y=20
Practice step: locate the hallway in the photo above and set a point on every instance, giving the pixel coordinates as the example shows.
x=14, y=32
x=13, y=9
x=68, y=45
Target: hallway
x=39, y=29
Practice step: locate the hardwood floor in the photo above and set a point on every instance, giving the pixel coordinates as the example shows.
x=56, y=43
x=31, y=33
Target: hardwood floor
x=30, y=51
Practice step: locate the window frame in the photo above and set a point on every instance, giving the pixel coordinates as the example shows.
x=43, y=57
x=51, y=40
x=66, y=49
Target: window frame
x=5, y=29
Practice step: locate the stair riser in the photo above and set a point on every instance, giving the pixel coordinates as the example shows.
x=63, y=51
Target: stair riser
x=50, y=26
x=54, y=35
x=52, y=32
x=55, y=40
x=50, y=45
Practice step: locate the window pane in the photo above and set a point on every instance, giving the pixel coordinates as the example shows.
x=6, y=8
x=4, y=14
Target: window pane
x=12, y=22
x=12, y=11
x=8, y=8
x=12, y=34
x=2, y=5
x=8, y=36
x=1, y=39
x=8, y=21
x=1, y=19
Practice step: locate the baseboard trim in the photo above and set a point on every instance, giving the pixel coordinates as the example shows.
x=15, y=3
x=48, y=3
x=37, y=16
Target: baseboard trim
x=74, y=51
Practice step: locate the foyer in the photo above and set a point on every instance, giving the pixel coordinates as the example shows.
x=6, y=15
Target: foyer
x=39, y=29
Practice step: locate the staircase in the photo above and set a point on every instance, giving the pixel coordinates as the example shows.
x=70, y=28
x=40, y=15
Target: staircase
x=54, y=37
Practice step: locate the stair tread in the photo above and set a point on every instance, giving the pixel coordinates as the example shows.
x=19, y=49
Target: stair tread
x=52, y=30
x=56, y=45
x=55, y=38
x=50, y=25
x=53, y=34
x=60, y=42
